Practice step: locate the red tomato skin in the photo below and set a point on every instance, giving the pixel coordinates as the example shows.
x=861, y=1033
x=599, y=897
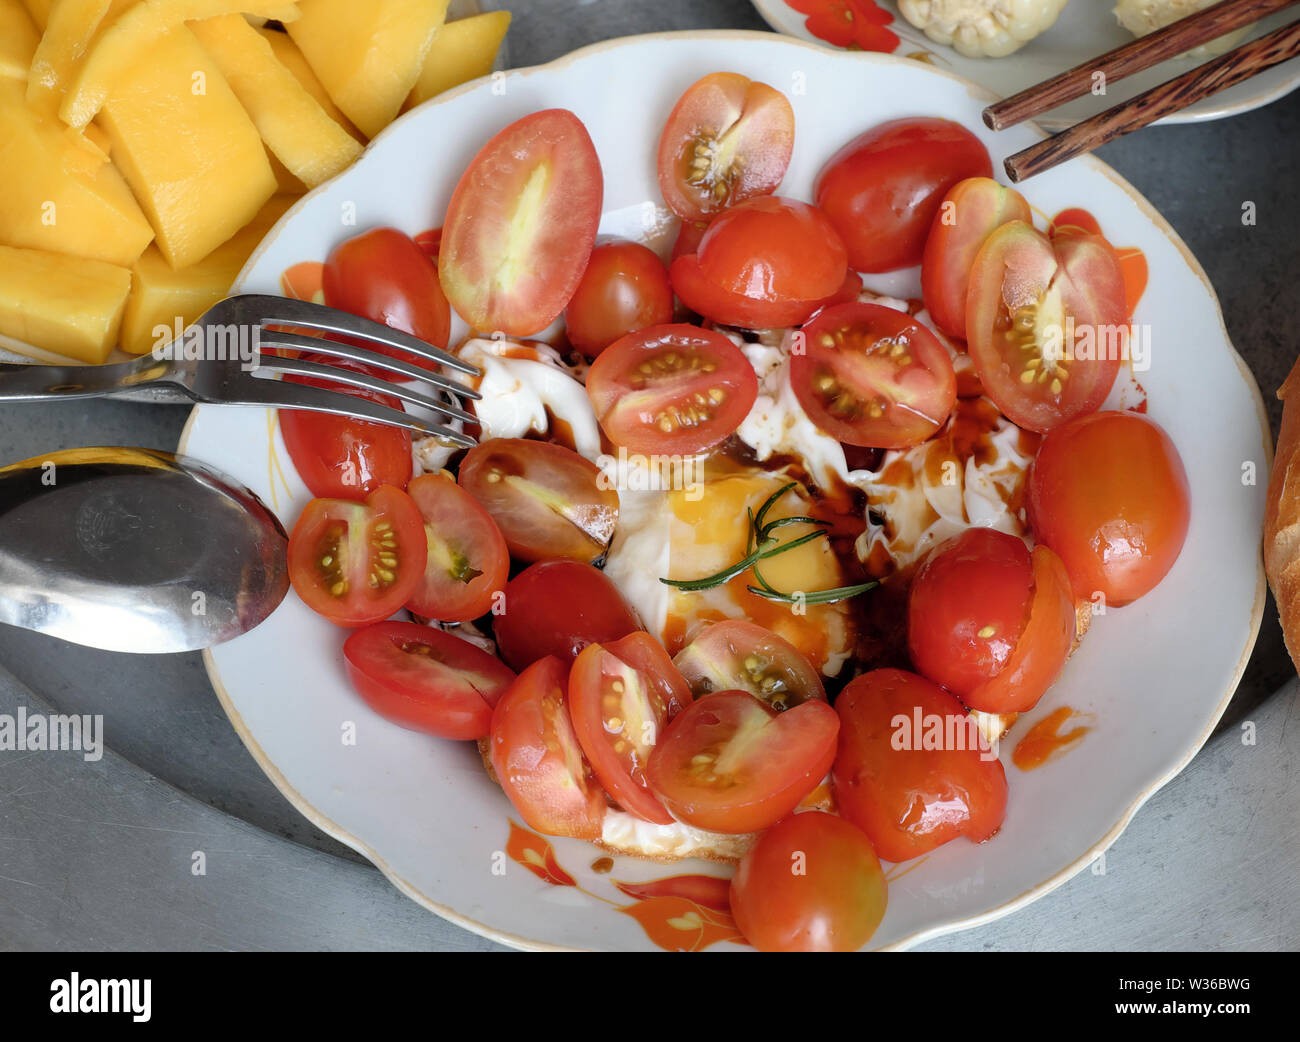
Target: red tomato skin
x=981, y=578
x=979, y=206
x=558, y=608
x=438, y=496
x=882, y=190
x=1044, y=645
x=384, y=276
x=532, y=749
x=340, y=458
x=459, y=708
x=835, y=902
x=767, y=262
x=889, y=793
x=1109, y=493
x=472, y=256
x=625, y=288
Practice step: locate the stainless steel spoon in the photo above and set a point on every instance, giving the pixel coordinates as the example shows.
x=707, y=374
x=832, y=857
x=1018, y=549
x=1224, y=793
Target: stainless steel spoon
x=135, y=550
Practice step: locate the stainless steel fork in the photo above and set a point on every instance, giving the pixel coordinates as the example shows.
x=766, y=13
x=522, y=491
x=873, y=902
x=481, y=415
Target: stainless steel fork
x=218, y=375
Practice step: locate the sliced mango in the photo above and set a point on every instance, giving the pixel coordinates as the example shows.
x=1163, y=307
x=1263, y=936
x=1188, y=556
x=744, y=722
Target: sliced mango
x=295, y=128
x=94, y=135
x=120, y=46
x=68, y=305
x=291, y=58
x=58, y=193
x=71, y=28
x=285, y=182
x=368, y=55
x=39, y=11
x=164, y=296
x=462, y=51
x=18, y=39
x=187, y=149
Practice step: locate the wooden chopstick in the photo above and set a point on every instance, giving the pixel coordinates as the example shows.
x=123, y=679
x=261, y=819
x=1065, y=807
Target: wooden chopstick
x=1210, y=78
x=1133, y=57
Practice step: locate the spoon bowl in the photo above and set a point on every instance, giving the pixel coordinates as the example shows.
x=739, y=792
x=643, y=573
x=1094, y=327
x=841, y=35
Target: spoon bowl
x=135, y=550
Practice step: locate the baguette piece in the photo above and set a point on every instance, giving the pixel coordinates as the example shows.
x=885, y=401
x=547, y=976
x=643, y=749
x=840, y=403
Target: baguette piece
x=1282, y=516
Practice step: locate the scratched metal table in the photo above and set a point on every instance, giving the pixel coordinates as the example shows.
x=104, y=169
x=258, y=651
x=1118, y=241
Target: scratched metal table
x=98, y=855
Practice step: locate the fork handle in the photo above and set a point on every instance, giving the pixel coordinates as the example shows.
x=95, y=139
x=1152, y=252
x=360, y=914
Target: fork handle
x=145, y=376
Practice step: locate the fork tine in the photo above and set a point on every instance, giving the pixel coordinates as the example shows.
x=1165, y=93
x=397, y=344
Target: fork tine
x=262, y=309
x=305, y=367
x=276, y=394
x=315, y=345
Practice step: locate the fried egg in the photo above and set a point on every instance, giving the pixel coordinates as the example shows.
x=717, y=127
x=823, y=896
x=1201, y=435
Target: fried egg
x=696, y=531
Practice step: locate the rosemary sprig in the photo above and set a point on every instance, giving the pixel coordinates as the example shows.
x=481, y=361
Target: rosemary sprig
x=760, y=545
x=832, y=596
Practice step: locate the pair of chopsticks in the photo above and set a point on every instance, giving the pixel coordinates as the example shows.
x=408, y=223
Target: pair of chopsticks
x=1182, y=35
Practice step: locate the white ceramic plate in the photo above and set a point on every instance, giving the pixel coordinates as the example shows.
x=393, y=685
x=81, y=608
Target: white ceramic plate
x=1156, y=675
x=1085, y=30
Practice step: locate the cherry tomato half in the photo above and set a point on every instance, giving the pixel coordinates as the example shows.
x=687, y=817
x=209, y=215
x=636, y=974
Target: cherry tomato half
x=990, y=621
x=672, y=390
x=967, y=607
x=1108, y=492
x=342, y=458
x=537, y=758
x=730, y=764
x=765, y=263
x=727, y=139
x=1045, y=322
x=558, y=608
x=384, y=276
x=907, y=795
x=548, y=501
x=812, y=883
x=1044, y=645
x=425, y=679
x=467, y=562
x=736, y=655
x=971, y=211
x=882, y=190
x=621, y=697
x=873, y=376
x=625, y=288
x=357, y=563
x=521, y=224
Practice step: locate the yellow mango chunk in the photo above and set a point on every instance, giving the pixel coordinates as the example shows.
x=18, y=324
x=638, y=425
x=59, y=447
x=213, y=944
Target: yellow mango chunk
x=71, y=28
x=68, y=305
x=58, y=193
x=368, y=55
x=462, y=51
x=39, y=10
x=187, y=149
x=291, y=58
x=18, y=39
x=295, y=128
x=164, y=296
x=95, y=136
x=284, y=181
x=120, y=46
